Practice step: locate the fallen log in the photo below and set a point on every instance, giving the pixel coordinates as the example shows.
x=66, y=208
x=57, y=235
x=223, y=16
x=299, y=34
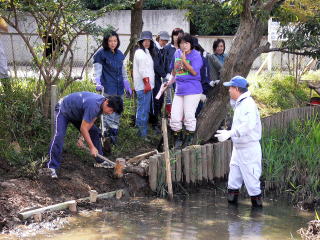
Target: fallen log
x=135, y=169
x=139, y=158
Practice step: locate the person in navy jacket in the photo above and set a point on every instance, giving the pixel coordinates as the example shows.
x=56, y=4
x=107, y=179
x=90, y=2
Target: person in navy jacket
x=82, y=110
x=110, y=76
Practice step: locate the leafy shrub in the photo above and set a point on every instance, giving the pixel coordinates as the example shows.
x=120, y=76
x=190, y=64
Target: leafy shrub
x=278, y=92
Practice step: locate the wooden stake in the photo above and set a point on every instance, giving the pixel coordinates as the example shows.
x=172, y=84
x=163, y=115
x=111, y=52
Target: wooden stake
x=167, y=157
x=37, y=217
x=73, y=207
x=153, y=172
x=186, y=164
x=119, y=194
x=93, y=196
x=53, y=106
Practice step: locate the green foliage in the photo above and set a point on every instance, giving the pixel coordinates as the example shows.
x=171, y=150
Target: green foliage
x=212, y=19
x=22, y=124
x=278, y=92
x=291, y=158
x=303, y=37
x=26, y=133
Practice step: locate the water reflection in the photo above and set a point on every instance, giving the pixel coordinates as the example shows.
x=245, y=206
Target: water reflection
x=199, y=216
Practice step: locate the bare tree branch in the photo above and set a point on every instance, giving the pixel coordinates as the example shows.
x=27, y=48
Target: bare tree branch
x=286, y=50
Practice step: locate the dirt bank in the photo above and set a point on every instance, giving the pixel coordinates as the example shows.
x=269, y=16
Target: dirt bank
x=76, y=178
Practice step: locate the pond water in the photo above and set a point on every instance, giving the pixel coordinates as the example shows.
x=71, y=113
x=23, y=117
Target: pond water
x=198, y=216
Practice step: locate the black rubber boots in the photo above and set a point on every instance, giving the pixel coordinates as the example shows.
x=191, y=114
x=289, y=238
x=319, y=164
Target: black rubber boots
x=256, y=201
x=232, y=196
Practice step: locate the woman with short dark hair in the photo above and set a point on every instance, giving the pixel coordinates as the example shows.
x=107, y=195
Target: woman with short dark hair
x=110, y=76
x=216, y=60
x=186, y=74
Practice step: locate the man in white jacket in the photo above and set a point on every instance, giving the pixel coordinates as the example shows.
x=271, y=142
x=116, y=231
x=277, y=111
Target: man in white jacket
x=245, y=164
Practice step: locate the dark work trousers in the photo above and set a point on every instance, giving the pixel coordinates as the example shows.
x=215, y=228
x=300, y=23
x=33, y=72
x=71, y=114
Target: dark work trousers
x=56, y=146
x=155, y=110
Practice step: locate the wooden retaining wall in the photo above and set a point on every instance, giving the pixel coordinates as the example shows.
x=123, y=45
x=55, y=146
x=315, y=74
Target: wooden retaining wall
x=191, y=165
x=204, y=163
x=282, y=120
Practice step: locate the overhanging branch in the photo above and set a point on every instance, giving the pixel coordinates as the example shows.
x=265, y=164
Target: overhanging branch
x=286, y=50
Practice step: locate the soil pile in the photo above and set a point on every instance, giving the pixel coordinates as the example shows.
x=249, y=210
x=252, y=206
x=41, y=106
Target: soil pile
x=76, y=178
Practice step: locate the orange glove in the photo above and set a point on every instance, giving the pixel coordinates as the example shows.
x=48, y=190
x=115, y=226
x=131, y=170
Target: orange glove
x=147, y=86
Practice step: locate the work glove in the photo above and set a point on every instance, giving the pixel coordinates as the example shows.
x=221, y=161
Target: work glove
x=99, y=87
x=127, y=87
x=147, y=86
x=213, y=83
x=203, y=98
x=167, y=78
x=223, y=135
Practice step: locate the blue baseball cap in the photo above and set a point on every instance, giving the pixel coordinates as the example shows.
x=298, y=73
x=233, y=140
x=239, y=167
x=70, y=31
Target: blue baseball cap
x=237, y=81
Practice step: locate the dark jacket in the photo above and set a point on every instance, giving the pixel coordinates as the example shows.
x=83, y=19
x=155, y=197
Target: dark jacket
x=111, y=78
x=169, y=51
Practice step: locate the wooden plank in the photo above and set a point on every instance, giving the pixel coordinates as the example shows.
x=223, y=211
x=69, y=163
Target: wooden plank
x=55, y=207
x=161, y=175
x=210, y=162
x=153, y=168
x=173, y=168
x=139, y=158
x=178, y=166
x=221, y=153
x=186, y=164
x=193, y=165
x=217, y=164
x=198, y=162
x=204, y=162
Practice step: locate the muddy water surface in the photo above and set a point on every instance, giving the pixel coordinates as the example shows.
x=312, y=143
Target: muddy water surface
x=199, y=216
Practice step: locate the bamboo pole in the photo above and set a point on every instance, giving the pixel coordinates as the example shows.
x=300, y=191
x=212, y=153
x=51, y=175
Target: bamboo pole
x=167, y=157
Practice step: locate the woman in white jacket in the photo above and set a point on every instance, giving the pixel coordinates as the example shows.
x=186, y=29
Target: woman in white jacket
x=143, y=77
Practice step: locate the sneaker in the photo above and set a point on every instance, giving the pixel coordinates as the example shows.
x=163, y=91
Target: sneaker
x=104, y=164
x=53, y=173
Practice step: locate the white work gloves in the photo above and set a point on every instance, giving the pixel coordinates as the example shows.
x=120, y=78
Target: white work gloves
x=203, y=98
x=223, y=135
x=213, y=83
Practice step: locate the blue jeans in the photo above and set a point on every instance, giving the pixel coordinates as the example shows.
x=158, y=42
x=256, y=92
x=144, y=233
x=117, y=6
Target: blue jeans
x=143, y=109
x=56, y=146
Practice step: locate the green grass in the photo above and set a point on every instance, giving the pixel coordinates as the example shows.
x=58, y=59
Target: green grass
x=291, y=159
x=277, y=92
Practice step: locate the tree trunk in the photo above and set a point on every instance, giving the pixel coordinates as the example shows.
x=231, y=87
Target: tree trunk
x=136, y=27
x=244, y=50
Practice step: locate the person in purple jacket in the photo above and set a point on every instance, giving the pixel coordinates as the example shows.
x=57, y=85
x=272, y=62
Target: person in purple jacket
x=186, y=75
